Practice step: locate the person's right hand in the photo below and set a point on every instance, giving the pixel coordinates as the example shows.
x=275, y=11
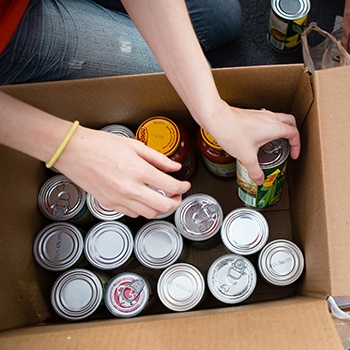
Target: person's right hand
x=118, y=172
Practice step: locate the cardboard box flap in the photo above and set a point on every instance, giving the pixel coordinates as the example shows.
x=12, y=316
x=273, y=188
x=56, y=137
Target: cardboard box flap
x=332, y=97
x=297, y=323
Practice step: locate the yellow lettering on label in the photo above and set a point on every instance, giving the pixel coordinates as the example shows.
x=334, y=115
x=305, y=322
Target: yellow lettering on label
x=271, y=178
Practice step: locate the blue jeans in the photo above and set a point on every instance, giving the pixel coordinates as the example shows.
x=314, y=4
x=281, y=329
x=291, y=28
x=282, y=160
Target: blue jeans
x=74, y=39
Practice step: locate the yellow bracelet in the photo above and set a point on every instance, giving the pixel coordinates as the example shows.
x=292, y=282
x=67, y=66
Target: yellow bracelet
x=63, y=145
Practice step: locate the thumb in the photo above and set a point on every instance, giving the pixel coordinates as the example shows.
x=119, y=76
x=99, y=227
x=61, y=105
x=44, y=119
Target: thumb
x=255, y=172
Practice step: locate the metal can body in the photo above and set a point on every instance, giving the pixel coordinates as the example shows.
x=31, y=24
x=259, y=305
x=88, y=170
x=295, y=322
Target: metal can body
x=273, y=159
x=199, y=219
x=78, y=293
x=181, y=287
x=158, y=244
x=59, y=246
x=128, y=294
x=101, y=212
x=109, y=245
x=244, y=231
x=60, y=199
x=120, y=130
x=231, y=278
x=287, y=22
x=170, y=139
x=281, y=262
x=217, y=161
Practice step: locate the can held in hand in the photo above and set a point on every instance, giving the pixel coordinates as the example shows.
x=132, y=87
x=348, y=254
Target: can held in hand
x=78, y=293
x=199, y=219
x=60, y=199
x=128, y=294
x=281, y=262
x=181, y=287
x=101, y=212
x=287, y=22
x=170, y=139
x=273, y=159
x=244, y=231
x=59, y=246
x=109, y=245
x=232, y=278
x=158, y=244
x=215, y=158
x=120, y=130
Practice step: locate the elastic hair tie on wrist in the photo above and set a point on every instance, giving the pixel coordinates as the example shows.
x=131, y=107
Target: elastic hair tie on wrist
x=63, y=145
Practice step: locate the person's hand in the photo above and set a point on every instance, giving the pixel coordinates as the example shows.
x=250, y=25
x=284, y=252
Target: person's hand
x=345, y=40
x=241, y=132
x=119, y=171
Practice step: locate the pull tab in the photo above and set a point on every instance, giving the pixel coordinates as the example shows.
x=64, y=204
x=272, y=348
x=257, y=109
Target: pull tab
x=205, y=213
x=133, y=290
x=59, y=210
x=272, y=146
x=236, y=270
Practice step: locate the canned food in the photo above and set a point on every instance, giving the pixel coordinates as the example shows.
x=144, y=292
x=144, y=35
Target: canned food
x=164, y=215
x=120, y=130
x=281, y=262
x=109, y=245
x=217, y=160
x=244, y=231
x=231, y=278
x=170, y=139
x=128, y=294
x=287, y=22
x=181, y=287
x=59, y=246
x=273, y=158
x=78, y=293
x=199, y=219
x=60, y=199
x=101, y=212
x=158, y=244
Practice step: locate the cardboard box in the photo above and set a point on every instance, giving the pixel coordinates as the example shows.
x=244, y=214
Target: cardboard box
x=314, y=213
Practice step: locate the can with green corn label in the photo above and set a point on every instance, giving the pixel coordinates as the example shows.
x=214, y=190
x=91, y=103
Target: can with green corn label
x=273, y=157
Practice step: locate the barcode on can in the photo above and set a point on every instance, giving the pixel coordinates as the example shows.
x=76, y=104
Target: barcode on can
x=246, y=198
x=276, y=43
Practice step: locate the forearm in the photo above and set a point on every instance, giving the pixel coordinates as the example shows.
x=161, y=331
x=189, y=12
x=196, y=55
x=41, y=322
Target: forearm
x=30, y=130
x=166, y=26
x=346, y=26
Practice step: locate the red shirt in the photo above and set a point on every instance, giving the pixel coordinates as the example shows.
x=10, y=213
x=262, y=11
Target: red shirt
x=11, y=13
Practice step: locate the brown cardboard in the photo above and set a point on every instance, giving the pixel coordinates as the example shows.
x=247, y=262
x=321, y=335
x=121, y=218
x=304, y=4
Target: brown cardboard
x=312, y=213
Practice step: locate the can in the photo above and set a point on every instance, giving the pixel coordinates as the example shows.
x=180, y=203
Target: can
x=169, y=214
x=244, y=231
x=181, y=287
x=199, y=219
x=60, y=199
x=158, y=244
x=170, y=139
x=215, y=158
x=59, y=246
x=281, y=262
x=109, y=245
x=287, y=22
x=101, y=212
x=120, y=130
x=232, y=278
x=128, y=294
x=78, y=293
x=273, y=159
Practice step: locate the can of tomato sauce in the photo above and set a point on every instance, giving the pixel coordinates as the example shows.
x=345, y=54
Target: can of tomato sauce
x=218, y=161
x=170, y=139
x=272, y=157
x=287, y=22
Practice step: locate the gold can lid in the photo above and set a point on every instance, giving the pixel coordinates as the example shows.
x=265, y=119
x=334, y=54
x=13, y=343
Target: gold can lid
x=159, y=133
x=209, y=140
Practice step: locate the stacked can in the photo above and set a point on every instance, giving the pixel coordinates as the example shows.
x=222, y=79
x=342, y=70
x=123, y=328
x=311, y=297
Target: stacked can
x=101, y=212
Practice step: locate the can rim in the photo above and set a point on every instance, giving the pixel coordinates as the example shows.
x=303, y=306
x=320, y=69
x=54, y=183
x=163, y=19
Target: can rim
x=101, y=212
x=186, y=278
x=120, y=130
x=281, y=150
x=302, y=12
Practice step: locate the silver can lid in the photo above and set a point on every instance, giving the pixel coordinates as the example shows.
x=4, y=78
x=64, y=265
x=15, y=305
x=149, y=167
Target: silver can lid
x=231, y=278
x=127, y=294
x=108, y=245
x=244, y=231
x=181, y=287
x=120, y=130
x=199, y=217
x=291, y=9
x=101, y=212
x=76, y=294
x=58, y=246
x=281, y=262
x=158, y=244
x=60, y=199
x=273, y=153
